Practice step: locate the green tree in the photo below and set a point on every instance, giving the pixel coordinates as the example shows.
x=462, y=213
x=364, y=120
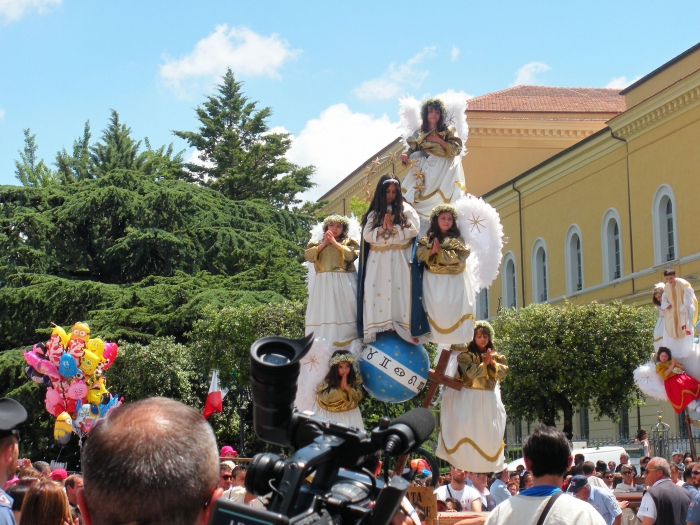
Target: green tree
x=358, y=207
x=573, y=357
x=117, y=149
x=78, y=166
x=240, y=157
x=31, y=172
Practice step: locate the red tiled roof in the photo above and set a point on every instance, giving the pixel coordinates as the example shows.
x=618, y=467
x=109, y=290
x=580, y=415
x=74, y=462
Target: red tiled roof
x=550, y=99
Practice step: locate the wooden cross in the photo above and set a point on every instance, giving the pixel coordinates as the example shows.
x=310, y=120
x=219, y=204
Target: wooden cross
x=436, y=377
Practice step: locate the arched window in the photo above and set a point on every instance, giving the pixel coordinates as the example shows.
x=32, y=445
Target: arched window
x=665, y=225
x=509, y=282
x=482, y=304
x=611, y=239
x=574, y=260
x=540, y=287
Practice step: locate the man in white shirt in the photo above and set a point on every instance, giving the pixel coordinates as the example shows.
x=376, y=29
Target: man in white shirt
x=499, y=488
x=627, y=484
x=547, y=455
x=664, y=502
x=458, y=489
x=479, y=481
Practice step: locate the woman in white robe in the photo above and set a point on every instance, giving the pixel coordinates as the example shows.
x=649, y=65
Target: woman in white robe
x=436, y=175
x=389, y=228
x=473, y=419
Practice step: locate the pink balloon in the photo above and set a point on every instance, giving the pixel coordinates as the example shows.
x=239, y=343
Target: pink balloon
x=77, y=390
x=54, y=402
x=41, y=365
x=110, y=354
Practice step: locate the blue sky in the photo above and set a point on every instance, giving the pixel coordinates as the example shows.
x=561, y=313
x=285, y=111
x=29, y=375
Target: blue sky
x=332, y=72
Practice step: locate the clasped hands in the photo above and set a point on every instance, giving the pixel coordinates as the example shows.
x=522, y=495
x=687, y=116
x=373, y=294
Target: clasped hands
x=329, y=239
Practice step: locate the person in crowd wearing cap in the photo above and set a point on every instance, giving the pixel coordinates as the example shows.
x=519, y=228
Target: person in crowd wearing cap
x=547, y=454
x=58, y=474
x=677, y=457
x=152, y=461
x=625, y=460
x=499, y=487
x=458, y=488
x=664, y=502
x=227, y=452
x=12, y=414
x=601, y=499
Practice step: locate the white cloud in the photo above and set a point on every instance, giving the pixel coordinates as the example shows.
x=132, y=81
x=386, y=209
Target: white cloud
x=337, y=142
x=526, y=74
x=2, y=112
x=455, y=53
x=14, y=9
x=621, y=82
x=396, y=79
x=246, y=52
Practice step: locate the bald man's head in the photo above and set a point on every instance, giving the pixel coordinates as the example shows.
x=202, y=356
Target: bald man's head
x=152, y=461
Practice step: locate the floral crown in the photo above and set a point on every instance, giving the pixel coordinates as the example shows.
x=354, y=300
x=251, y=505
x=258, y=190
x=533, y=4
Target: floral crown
x=437, y=210
x=487, y=326
x=340, y=358
x=659, y=287
x=336, y=219
x=435, y=102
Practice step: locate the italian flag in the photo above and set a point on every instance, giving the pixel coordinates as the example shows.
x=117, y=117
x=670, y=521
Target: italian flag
x=215, y=397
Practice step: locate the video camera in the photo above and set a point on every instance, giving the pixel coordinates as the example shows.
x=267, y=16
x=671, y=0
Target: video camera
x=342, y=491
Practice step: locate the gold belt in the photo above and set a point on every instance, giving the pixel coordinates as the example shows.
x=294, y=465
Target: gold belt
x=388, y=247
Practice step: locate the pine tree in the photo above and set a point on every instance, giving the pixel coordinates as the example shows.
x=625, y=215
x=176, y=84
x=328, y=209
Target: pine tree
x=30, y=172
x=79, y=166
x=239, y=157
x=117, y=149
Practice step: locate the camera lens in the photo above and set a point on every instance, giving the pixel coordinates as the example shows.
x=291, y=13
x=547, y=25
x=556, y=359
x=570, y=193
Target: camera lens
x=274, y=369
x=263, y=468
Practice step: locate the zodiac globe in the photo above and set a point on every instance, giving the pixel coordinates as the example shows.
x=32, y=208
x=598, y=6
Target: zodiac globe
x=392, y=369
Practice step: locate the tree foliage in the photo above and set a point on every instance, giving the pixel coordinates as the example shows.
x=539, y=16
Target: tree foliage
x=30, y=171
x=239, y=156
x=574, y=357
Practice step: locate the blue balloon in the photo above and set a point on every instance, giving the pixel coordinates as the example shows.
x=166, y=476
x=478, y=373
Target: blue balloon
x=394, y=370
x=67, y=366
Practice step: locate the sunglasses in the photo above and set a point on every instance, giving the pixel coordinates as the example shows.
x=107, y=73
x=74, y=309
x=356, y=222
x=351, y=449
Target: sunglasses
x=695, y=473
x=226, y=477
x=608, y=477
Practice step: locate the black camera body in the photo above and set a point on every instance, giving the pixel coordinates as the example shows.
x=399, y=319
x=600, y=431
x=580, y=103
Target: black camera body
x=342, y=490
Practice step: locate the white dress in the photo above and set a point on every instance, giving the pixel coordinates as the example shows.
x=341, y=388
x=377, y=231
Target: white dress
x=681, y=314
x=437, y=178
x=387, y=281
x=448, y=296
x=659, y=330
x=473, y=419
x=331, y=313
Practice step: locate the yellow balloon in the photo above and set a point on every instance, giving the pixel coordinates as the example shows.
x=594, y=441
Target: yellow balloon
x=96, y=346
x=80, y=331
x=63, y=428
x=97, y=390
x=89, y=362
x=57, y=330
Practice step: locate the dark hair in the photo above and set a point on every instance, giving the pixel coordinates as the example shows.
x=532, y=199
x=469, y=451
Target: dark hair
x=70, y=480
x=425, y=126
x=654, y=299
x=688, y=472
x=379, y=204
x=333, y=378
x=434, y=229
x=46, y=503
x=640, y=434
x=663, y=350
x=548, y=450
x=588, y=468
x=457, y=504
x=601, y=466
x=669, y=271
x=155, y=446
x=472, y=347
x=17, y=492
x=239, y=468
x=223, y=467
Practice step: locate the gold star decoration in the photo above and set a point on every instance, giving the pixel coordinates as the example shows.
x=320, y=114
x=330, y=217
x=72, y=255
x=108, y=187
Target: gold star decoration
x=411, y=163
x=368, y=172
x=476, y=222
x=393, y=157
x=312, y=362
x=376, y=162
x=419, y=188
x=418, y=174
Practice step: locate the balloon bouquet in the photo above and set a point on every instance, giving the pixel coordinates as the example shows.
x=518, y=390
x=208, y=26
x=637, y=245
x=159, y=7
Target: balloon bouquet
x=72, y=366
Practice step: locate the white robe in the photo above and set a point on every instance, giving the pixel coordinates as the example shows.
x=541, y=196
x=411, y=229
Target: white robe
x=659, y=330
x=387, y=299
x=332, y=311
x=680, y=347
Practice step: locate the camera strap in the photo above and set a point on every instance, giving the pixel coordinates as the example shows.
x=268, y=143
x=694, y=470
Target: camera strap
x=548, y=507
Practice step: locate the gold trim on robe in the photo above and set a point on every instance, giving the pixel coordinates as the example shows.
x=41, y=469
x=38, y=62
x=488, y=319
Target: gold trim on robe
x=330, y=259
x=475, y=374
x=450, y=259
x=416, y=142
x=337, y=400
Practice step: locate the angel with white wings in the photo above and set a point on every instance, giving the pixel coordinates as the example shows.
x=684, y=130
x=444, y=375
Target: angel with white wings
x=434, y=153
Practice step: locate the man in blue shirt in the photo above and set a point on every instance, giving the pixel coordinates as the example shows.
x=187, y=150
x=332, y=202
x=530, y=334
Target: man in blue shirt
x=499, y=488
x=602, y=500
x=12, y=414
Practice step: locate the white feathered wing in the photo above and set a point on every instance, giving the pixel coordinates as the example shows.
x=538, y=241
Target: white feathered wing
x=482, y=232
x=649, y=382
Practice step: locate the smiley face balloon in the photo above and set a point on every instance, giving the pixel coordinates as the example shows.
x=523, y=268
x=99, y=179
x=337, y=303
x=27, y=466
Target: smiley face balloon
x=80, y=331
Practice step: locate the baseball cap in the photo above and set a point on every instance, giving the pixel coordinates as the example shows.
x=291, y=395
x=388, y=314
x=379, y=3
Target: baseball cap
x=12, y=414
x=577, y=483
x=59, y=474
x=676, y=451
